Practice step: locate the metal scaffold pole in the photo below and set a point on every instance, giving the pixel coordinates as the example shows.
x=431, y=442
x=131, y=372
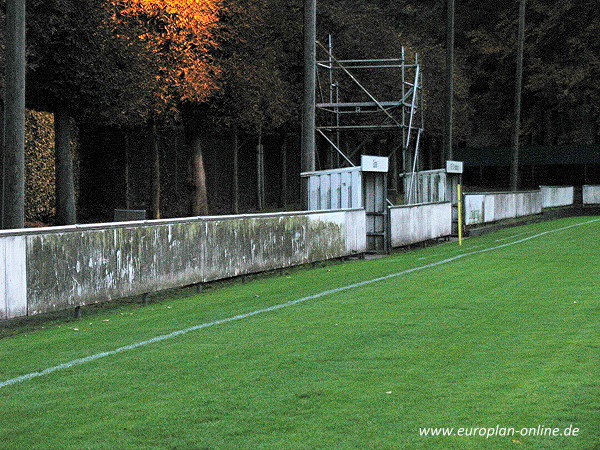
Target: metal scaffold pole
x=351, y=107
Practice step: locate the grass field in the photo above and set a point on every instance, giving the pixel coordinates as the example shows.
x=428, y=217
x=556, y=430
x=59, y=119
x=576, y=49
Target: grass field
x=507, y=335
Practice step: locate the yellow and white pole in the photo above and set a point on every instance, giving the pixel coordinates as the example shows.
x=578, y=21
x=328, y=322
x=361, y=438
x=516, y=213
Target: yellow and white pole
x=460, y=215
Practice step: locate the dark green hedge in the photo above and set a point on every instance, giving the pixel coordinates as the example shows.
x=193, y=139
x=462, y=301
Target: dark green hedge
x=39, y=167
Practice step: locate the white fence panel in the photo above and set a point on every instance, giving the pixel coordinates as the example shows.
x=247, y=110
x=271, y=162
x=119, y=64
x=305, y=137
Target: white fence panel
x=13, y=277
x=410, y=224
x=490, y=207
x=555, y=196
x=528, y=203
x=474, y=209
x=505, y=206
x=591, y=194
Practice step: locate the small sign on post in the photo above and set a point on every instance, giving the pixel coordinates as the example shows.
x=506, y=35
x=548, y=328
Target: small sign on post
x=454, y=167
x=374, y=163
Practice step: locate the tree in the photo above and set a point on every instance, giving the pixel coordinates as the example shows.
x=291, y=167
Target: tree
x=562, y=51
x=81, y=66
x=258, y=94
x=560, y=98
x=181, y=35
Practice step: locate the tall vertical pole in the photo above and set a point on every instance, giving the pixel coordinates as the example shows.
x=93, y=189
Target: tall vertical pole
x=126, y=174
x=1, y=160
x=332, y=156
x=460, y=214
x=260, y=169
x=404, y=161
x=330, y=59
x=514, y=169
x=66, y=210
x=13, y=175
x=310, y=84
x=236, y=171
x=447, y=144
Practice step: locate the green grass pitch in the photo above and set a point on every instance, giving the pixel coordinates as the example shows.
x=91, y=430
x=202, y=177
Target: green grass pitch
x=508, y=337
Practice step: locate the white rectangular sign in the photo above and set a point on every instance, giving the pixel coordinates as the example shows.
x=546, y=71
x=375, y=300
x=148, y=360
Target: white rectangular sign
x=374, y=163
x=454, y=167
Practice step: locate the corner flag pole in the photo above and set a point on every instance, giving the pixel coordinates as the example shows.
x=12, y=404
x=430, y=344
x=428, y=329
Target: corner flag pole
x=460, y=215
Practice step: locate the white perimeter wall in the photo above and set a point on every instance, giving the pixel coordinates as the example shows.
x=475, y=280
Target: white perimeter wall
x=55, y=268
x=490, y=207
x=591, y=195
x=410, y=224
x=13, y=287
x=554, y=196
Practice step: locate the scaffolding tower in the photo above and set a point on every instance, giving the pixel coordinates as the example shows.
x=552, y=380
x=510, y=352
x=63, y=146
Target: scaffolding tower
x=357, y=108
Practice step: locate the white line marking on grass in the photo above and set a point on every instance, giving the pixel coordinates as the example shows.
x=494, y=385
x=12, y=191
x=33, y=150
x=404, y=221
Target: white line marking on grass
x=510, y=237
x=163, y=337
x=437, y=254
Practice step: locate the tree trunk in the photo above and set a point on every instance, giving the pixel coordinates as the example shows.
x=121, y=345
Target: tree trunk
x=284, y=170
x=587, y=123
x=155, y=185
x=66, y=213
x=449, y=79
x=13, y=175
x=260, y=169
x=514, y=170
x=212, y=169
x=126, y=174
x=310, y=85
x=199, y=196
x=1, y=161
x=549, y=128
x=236, y=172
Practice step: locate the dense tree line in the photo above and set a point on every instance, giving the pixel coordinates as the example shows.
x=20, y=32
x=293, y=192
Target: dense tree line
x=176, y=95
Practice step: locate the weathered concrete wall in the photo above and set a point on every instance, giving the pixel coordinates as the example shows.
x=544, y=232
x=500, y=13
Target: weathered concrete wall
x=528, y=203
x=475, y=209
x=591, y=195
x=505, y=205
x=13, y=287
x=410, y=224
x=555, y=196
x=54, y=268
x=78, y=266
x=491, y=207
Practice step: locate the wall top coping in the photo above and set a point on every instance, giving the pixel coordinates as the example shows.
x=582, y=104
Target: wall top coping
x=145, y=223
x=532, y=191
x=418, y=204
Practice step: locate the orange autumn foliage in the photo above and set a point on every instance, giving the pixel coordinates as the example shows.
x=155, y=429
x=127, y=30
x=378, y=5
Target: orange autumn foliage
x=181, y=34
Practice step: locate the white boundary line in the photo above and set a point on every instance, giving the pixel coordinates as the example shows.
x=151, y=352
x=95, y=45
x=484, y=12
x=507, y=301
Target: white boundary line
x=163, y=337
